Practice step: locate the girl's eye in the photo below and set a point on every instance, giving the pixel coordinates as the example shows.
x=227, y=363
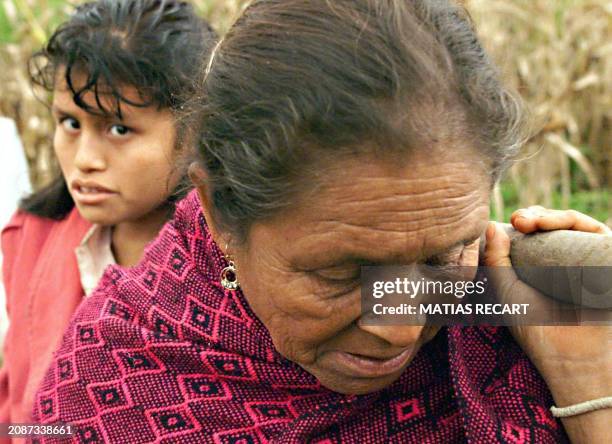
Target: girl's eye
x=70, y=124
x=119, y=130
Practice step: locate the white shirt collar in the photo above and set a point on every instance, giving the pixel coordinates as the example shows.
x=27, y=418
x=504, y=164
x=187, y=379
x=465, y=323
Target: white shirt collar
x=93, y=255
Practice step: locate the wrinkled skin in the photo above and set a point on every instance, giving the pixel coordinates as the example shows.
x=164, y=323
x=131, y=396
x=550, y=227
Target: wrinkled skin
x=300, y=272
x=300, y=269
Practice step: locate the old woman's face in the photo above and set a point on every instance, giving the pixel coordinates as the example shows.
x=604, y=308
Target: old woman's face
x=300, y=271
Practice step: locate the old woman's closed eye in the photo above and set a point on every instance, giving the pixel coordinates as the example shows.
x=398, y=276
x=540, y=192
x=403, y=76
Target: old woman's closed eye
x=340, y=274
x=463, y=254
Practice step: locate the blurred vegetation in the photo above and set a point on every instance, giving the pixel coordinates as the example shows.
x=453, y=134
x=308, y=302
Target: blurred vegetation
x=557, y=53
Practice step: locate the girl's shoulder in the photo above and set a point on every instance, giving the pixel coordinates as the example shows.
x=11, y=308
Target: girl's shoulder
x=30, y=228
x=24, y=227
x=26, y=234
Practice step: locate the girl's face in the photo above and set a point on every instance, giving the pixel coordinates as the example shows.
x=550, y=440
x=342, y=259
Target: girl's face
x=117, y=170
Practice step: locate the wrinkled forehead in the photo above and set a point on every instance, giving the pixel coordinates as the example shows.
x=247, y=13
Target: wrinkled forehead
x=382, y=211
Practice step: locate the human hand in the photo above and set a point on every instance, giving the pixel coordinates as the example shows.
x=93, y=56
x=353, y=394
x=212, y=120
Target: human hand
x=575, y=361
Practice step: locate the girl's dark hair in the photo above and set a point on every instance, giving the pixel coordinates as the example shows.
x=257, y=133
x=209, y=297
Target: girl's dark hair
x=297, y=81
x=154, y=46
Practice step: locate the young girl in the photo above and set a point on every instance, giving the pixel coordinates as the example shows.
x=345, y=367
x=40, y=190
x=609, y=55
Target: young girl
x=118, y=70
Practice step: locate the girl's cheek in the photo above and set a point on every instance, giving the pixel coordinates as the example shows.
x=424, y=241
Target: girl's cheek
x=63, y=155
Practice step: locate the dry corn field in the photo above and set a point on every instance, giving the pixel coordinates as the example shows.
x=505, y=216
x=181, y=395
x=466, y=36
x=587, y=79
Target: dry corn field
x=557, y=53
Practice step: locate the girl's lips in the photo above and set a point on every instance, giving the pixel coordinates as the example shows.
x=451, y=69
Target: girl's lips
x=91, y=196
x=365, y=367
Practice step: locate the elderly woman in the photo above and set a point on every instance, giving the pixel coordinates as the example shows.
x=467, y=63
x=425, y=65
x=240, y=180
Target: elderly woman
x=335, y=134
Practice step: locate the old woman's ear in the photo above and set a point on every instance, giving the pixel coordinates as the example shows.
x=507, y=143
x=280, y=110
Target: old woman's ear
x=199, y=178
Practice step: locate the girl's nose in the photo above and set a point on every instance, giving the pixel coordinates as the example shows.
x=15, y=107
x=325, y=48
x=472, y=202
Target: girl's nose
x=90, y=155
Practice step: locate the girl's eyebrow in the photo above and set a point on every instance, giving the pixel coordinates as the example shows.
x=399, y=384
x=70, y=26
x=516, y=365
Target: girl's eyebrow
x=57, y=110
x=103, y=118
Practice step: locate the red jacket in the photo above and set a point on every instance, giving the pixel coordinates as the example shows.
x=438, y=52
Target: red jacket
x=39, y=268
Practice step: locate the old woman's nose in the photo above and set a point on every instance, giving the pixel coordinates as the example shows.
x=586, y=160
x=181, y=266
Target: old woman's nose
x=402, y=336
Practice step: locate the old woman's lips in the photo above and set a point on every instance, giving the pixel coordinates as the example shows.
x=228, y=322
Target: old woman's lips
x=369, y=367
x=90, y=193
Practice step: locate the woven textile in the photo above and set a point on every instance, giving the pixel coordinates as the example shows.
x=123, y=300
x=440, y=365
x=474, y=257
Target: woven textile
x=161, y=353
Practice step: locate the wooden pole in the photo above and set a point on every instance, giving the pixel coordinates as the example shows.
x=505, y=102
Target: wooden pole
x=581, y=263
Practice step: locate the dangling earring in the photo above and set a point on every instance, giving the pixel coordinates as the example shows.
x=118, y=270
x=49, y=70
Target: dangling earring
x=229, y=276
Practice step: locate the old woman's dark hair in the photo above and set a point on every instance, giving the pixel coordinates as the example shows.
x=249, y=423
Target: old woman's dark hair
x=154, y=46
x=298, y=81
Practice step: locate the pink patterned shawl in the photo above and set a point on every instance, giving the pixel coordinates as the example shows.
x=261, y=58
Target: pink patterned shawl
x=161, y=353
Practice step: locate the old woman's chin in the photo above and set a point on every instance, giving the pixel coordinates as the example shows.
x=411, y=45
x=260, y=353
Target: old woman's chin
x=334, y=376
x=357, y=386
